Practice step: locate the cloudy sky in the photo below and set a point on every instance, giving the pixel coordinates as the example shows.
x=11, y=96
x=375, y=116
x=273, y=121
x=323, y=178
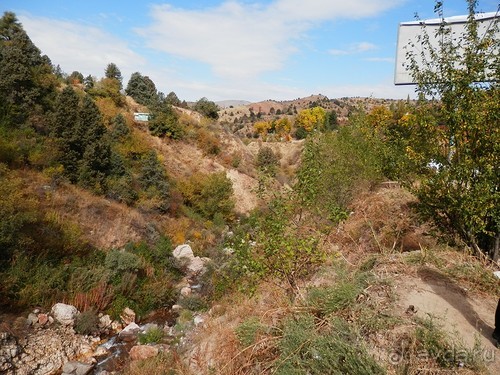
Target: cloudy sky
x=235, y=49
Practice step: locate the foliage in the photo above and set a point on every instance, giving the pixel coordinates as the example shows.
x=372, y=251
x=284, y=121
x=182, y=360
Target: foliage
x=208, y=142
x=209, y=195
x=262, y=127
x=164, y=122
x=119, y=128
x=153, y=335
x=26, y=80
x=311, y=119
x=280, y=244
x=118, y=261
x=461, y=194
x=342, y=295
x=247, y=331
x=86, y=322
x=336, y=167
x=267, y=161
x=207, y=108
x=142, y=89
x=17, y=210
x=172, y=99
x=154, y=180
x=112, y=72
x=304, y=349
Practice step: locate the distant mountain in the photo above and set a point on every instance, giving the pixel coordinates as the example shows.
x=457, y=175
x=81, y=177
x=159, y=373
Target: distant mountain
x=234, y=103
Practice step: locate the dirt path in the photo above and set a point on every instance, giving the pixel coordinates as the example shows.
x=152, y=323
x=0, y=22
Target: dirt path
x=465, y=315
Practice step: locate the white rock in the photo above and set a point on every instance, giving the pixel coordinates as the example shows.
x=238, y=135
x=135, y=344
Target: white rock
x=64, y=314
x=176, y=308
x=132, y=327
x=186, y=291
x=183, y=251
x=196, y=266
x=198, y=320
x=127, y=316
x=105, y=321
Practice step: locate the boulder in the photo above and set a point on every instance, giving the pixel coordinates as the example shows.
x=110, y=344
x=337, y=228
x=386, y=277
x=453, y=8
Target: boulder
x=183, y=251
x=127, y=316
x=105, y=322
x=129, y=333
x=140, y=352
x=43, y=319
x=9, y=349
x=32, y=319
x=195, y=266
x=76, y=368
x=64, y=314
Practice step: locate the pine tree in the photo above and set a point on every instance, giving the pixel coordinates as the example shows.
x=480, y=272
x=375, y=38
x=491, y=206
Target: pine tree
x=113, y=72
x=142, y=89
x=23, y=73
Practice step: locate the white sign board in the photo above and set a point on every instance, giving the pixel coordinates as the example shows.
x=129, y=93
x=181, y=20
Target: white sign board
x=408, y=33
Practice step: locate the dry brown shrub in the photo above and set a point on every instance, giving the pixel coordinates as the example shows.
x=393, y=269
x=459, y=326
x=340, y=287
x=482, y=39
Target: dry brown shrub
x=98, y=298
x=383, y=221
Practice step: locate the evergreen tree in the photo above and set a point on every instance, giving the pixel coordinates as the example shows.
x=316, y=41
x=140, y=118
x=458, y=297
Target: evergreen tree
x=23, y=72
x=119, y=128
x=142, y=89
x=154, y=180
x=89, y=82
x=113, y=72
x=172, y=99
x=207, y=108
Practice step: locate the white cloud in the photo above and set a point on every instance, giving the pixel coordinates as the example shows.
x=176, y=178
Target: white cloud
x=353, y=49
x=239, y=40
x=320, y=10
x=380, y=59
x=80, y=47
x=385, y=89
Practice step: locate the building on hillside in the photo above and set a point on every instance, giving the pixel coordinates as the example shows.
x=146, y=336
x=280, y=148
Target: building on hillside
x=141, y=116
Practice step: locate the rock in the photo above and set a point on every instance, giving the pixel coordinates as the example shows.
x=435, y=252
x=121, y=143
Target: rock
x=198, y=319
x=46, y=351
x=140, y=352
x=43, y=319
x=9, y=349
x=195, y=266
x=183, y=251
x=76, y=368
x=129, y=333
x=228, y=251
x=64, y=314
x=116, y=325
x=105, y=321
x=176, y=308
x=32, y=319
x=216, y=310
x=186, y=291
x=127, y=316
x=100, y=351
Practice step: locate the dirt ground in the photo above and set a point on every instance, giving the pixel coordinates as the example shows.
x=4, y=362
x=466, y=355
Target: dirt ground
x=467, y=316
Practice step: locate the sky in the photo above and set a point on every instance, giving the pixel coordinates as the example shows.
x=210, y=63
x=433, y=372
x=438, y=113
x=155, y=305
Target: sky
x=233, y=49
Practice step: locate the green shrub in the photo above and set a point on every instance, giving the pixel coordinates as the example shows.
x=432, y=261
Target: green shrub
x=336, y=167
x=86, y=323
x=209, y=195
x=267, y=161
x=192, y=303
x=247, y=331
x=119, y=261
x=304, y=349
x=153, y=335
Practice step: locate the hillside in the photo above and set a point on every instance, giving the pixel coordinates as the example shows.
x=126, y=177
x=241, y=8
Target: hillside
x=308, y=236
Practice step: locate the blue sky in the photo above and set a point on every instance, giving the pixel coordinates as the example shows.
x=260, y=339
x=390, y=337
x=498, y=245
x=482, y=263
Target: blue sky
x=238, y=49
